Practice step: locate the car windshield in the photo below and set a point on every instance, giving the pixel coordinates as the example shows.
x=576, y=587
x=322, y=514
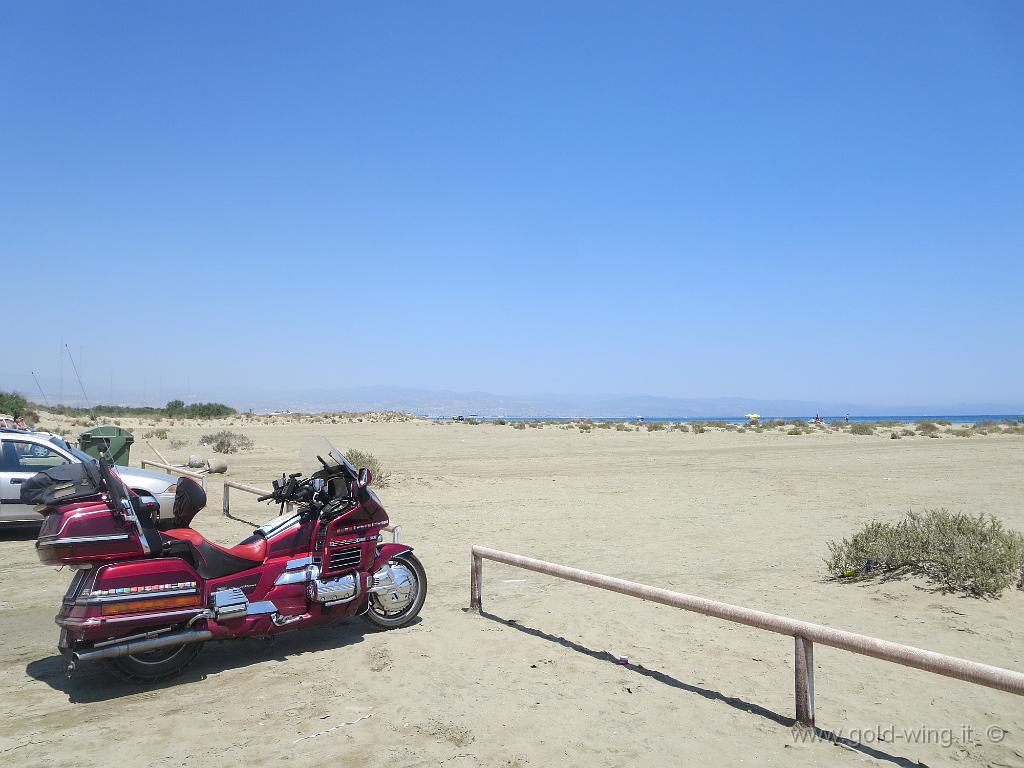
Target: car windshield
x=76, y=452
x=318, y=452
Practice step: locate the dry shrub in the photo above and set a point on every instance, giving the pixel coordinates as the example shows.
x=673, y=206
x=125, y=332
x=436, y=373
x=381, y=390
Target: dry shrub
x=226, y=441
x=360, y=459
x=862, y=429
x=973, y=555
x=160, y=434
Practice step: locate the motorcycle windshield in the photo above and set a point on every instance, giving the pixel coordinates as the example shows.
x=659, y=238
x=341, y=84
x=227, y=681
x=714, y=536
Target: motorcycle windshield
x=320, y=454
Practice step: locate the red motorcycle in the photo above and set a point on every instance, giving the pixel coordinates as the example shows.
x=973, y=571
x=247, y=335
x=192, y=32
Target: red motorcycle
x=148, y=592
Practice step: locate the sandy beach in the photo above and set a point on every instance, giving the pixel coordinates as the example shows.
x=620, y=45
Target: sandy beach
x=738, y=517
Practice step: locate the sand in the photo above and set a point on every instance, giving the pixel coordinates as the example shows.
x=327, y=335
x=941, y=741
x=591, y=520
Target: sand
x=742, y=518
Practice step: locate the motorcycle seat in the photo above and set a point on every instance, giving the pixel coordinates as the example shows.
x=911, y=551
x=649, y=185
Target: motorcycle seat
x=212, y=560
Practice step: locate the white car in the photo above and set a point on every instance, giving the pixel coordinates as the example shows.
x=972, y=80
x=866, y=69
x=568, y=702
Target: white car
x=25, y=453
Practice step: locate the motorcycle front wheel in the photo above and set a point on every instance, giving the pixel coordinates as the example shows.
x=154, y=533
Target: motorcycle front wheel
x=397, y=607
x=153, y=666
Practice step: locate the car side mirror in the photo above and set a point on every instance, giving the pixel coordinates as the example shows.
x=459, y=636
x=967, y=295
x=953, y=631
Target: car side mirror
x=365, y=477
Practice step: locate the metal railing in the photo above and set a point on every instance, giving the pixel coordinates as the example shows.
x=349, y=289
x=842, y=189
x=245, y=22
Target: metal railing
x=395, y=530
x=805, y=634
x=201, y=476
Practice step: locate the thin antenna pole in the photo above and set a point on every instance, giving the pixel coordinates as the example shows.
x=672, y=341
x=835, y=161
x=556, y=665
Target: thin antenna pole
x=41, y=389
x=61, y=372
x=80, y=386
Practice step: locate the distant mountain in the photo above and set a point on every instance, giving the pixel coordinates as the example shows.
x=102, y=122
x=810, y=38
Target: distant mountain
x=429, y=402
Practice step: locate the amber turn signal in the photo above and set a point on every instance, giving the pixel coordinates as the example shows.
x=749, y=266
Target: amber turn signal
x=150, y=604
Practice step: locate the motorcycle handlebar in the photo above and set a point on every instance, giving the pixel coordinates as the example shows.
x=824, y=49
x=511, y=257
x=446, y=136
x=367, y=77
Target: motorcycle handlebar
x=264, y=498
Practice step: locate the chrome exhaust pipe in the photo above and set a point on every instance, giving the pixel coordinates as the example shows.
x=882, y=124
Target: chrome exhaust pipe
x=130, y=647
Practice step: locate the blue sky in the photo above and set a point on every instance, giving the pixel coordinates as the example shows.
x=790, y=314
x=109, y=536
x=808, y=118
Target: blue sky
x=786, y=200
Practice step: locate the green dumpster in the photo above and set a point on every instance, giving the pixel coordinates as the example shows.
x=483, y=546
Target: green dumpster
x=95, y=440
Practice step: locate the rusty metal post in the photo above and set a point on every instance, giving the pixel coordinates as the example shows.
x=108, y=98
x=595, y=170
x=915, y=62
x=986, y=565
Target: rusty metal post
x=154, y=450
x=804, y=673
x=476, y=583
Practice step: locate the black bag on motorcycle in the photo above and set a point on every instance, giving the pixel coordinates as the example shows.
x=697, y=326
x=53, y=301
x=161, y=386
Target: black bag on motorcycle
x=189, y=498
x=62, y=485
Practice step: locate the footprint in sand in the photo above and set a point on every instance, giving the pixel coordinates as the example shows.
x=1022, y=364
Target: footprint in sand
x=380, y=659
x=453, y=733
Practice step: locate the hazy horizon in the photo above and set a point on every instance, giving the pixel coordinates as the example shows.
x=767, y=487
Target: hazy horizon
x=432, y=401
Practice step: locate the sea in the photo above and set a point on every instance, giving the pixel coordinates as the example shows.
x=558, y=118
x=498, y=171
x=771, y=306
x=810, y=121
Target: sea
x=951, y=418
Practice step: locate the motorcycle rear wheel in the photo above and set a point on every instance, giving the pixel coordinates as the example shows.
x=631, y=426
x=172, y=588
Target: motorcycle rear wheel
x=377, y=613
x=153, y=666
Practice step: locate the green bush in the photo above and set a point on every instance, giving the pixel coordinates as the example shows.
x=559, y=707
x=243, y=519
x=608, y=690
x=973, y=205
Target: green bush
x=655, y=426
x=862, y=429
x=972, y=555
x=160, y=434
x=359, y=459
x=698, y=429
x=518, y=425
x=13, y=404
x=226, y=441
x=622, y=427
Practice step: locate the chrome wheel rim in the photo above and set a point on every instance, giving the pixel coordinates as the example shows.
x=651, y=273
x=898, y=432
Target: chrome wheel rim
x=401, y=599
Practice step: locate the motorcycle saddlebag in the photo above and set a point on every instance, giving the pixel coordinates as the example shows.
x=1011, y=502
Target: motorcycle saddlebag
x=86, y=532
x=62, y=485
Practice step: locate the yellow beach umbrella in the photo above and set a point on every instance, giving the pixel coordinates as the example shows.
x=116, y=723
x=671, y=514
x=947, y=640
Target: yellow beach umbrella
x=752, y=416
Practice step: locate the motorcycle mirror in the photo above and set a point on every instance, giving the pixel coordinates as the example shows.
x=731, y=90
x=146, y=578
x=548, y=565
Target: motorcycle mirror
x=365, y=477
x=150, y=505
